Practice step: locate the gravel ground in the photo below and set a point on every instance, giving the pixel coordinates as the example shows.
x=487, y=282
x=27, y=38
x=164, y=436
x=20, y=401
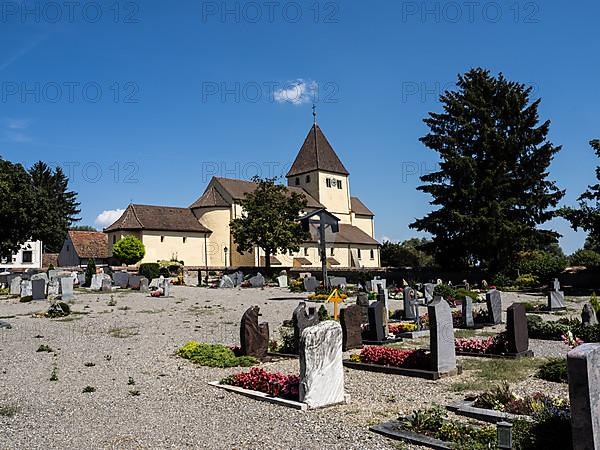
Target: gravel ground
x=176, y=408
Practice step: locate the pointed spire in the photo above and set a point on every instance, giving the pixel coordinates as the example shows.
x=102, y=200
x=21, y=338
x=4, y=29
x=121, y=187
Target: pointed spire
x=314, y=108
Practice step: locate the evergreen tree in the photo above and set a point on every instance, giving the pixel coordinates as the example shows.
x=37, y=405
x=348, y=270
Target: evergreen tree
x=587, y=215
x=270, y=220
x=56, y=207
x=491, y=188
x=90, y=271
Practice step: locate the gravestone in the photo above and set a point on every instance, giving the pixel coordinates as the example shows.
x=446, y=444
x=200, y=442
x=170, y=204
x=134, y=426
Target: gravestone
x=106, y=285
x=583, y=364
x=428, y=289
x=301, y=319
x=467, y=312
x=166, y=288
x=54, y=287
x=134, y=282
x=81, y=279
x=144, y=285
x=351, y=321
x=254, y=337
x=257, y=281
x=157, y=282
x=53, y=273
x=516, y=329
x=321, y=369
x=66, y=287
x=38, y=289
x=40, y=276
x=282, y=281
x=376, y=324
x=556, y=297
x=121, y=279
x=362, y=300
x=237, y=278
x=494, y=306
x=310, y=284
x=96, y=283
x=26, y=290
x=15, y=286
x=336, y=282
x=226, y=282
x=409, y=295
x=441, y=337
x=588, y=316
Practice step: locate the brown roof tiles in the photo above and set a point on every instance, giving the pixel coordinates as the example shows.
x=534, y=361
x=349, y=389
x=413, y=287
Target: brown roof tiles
x=90, y=244
x=158, y=218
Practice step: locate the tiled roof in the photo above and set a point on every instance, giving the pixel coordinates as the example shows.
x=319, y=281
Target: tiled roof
x=210, y=199
x=316, y=154
x=239, y=188
x=158, y=218
x=348, y=234
x=359, y=207
x=90, y=244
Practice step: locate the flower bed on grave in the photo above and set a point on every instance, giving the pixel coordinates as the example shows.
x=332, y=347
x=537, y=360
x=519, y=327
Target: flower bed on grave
x=393, y=357
x=272, y=384
x=215, y=355
x=559, y=330
x=492, y=345
x=549, y=427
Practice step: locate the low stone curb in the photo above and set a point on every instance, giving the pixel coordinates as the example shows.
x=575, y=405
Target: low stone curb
x=394, y=430
x=466, y=408
x=527, y=354
x=418, y=373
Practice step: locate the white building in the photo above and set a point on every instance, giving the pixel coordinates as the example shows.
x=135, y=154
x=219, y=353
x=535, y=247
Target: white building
x=28, y=257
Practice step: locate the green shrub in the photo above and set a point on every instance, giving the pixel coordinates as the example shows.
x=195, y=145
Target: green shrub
x=461, y=293
x=323, y=314
x=543, y=265
x=501, y=280
x=554, y=370
x=527, y=281
x=446, y=291
x=90, y=271
x=129, y=250
x=587, y=258
x=214, y=355
x=149, y=270
x=541, y=329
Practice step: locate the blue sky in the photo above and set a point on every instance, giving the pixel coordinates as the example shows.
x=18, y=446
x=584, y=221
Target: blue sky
x=144, y=101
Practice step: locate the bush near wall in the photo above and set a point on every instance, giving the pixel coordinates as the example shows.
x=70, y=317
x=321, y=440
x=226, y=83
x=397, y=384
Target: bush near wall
x=149, y=270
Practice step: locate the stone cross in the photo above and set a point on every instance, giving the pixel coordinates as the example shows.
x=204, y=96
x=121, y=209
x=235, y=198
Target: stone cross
x=321, y=369
x=441, y=337
x=516, y=329
x=583, y=363
x=556, y=298
x=467, y=312
x=351, y=322
x=254, y=337
x=494, y=306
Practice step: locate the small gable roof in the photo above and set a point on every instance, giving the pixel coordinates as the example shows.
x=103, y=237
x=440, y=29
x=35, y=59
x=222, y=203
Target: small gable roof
x=210, y=199
x=89, y=244
x=359, y=207
x=316, y=154
x=348, y=234
x=158, y=218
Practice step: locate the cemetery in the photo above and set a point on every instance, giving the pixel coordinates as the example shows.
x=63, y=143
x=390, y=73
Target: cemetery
x=275, y=345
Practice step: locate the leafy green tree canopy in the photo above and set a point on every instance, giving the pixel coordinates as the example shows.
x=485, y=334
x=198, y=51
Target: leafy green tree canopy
x=409, y=253
x=270, y=220
x=492, y=186
x=129, y=250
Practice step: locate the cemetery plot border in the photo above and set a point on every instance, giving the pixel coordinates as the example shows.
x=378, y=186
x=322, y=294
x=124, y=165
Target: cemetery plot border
x=283, y=355
x=384, y=342
x=465, y=408
x=527, y=354
x=416, y=373
x=394, y=430
x=261, y=396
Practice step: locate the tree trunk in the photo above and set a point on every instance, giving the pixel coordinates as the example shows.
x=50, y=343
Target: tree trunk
x=268, y=261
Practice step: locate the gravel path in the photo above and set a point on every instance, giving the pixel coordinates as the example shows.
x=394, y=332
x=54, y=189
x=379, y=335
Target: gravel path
x=176, y=408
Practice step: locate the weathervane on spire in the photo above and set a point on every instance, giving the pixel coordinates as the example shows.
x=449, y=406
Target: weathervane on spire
x=314, y=108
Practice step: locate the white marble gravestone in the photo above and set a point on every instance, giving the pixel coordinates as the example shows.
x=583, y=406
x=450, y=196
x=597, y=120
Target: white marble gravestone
x=321, y=369
x=282, y=280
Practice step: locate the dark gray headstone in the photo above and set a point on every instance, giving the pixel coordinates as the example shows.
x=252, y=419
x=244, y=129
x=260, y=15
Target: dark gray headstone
x=134, y=282
x=254, y=337
x=588, y=315
x=584, y=380
x=38, y=289
x=362, y=300
x=376, y=324
x=467, y=312
x=311, y=284
x=351, y=321
x=121, y=279
x=256, y=281
x=106, y=285
x=494, y=306
x=66, y=286
x=336, y=282
x=409, y=295
x=302, y=319
x=441, y=336
x=516, y=328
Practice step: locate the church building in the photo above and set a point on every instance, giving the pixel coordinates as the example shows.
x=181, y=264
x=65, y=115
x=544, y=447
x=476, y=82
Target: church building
x=200, y=234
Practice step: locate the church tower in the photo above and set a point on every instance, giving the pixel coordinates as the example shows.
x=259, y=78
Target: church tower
x=318, y=170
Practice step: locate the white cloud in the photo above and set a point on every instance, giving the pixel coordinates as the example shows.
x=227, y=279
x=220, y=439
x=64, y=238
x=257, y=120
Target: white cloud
x=387, y=238
x=298, y=92
x=107, y=218
x=15, y=130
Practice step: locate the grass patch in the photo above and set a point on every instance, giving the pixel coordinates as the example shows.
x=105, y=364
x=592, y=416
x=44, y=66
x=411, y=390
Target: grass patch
x=214, y=355
x=70, y=318
x=88, y=389
x=123, y=332
x=44, y=348
x=134, y=393
x=150, y=311
x=89, y=364
x=487, y=373
x=8, y=410
x=54, y=376
x=555, y=369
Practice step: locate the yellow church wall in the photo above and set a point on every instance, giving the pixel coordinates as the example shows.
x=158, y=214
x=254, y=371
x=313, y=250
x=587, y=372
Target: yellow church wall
x=164, y=245
x=365, y=223
x=217, y=220
x=337, y=201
